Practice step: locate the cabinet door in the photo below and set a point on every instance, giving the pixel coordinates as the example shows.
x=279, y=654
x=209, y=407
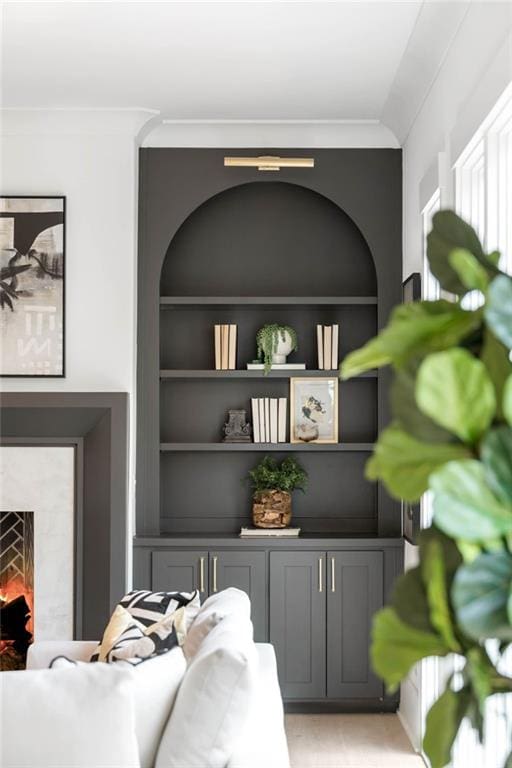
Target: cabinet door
x=354, y=594
x=298, y=623
x=173, y=571
x=246, y=571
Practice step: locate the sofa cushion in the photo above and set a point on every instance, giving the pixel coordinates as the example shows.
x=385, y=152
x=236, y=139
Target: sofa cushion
x=42, y=652
x=266, y=747
x=214, y=699
x=228, y=602
x=156, y=682
x=68, y=718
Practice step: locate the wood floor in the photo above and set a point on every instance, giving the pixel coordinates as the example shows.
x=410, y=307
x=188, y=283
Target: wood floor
x=349, y=741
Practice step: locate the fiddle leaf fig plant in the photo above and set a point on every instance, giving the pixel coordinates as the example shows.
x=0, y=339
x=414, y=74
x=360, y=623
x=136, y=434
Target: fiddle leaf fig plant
x=451, y=435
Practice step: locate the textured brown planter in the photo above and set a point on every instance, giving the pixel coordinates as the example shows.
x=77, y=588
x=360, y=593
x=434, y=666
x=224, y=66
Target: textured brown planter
x=272, y=509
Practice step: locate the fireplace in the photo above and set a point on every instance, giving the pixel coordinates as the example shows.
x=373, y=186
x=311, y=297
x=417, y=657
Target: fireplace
x=64, y=455
x=16, y=588
x=37, y=580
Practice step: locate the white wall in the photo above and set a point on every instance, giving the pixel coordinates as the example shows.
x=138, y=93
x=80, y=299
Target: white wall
x=474, y=73
x=91, y=158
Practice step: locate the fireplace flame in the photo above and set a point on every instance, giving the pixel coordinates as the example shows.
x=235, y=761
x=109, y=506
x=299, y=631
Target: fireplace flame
x=15, y=587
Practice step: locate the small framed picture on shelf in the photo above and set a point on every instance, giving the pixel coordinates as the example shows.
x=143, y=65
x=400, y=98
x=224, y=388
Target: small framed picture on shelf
x=411, y=288
x=314, y=410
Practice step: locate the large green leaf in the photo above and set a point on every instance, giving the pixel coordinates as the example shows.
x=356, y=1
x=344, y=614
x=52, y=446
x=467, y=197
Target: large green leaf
x=443, y=723
x=507, y=400
x=464, y=506
x=479, y=671
x=452, y=557
x=498, y=310
x=454, y=389
x=436, y=582
x=496, y=455
x=405, y=464
x=405, y=409
x=495, y=357
x=416, y=328
x=396, y=647
x=480, y=594
x=449, y=233
x=409, y=599
x=472, y=274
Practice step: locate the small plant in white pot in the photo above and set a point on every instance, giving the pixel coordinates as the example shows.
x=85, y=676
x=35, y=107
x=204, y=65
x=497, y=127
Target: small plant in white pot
x=275, y=342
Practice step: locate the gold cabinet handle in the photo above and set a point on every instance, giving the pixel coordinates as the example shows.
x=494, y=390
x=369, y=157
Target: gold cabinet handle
x=333, y=575
x=320, y=569
x=201, y=574
x=215, y=573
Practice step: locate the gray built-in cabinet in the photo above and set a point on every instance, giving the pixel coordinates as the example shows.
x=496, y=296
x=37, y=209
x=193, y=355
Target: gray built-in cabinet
x=313, y=600
x=211, y=571
x=321, y=608
x=298, y=247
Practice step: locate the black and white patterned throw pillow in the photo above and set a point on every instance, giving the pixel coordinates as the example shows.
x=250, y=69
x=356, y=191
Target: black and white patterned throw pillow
x=150, y=607
x=146, y=624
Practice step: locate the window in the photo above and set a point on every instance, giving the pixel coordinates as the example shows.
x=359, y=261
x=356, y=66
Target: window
x=483, y=196
x=483, y=181
x=430, y=286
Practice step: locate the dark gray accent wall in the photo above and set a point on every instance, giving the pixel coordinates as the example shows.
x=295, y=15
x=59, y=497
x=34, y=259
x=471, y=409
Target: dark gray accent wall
x=98, y=423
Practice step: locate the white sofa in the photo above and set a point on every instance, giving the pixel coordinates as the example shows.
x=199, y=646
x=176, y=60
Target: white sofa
x=262, y=743
x=252, y=721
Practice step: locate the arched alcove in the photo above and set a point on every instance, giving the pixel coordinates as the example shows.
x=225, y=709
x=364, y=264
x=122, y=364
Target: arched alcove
x=268, y=239
x=234, y=246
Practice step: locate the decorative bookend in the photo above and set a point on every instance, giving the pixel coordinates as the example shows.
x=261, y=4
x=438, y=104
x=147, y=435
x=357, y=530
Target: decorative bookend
x=236, y=429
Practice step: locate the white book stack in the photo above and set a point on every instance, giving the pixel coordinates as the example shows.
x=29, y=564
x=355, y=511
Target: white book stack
x=268, y=533
x=269, y=419
x=327, y=337
x=225, y=347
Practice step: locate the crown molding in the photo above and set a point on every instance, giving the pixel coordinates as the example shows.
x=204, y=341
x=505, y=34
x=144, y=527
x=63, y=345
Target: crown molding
x=435, y=30
x=28, y=121
x=270, y=133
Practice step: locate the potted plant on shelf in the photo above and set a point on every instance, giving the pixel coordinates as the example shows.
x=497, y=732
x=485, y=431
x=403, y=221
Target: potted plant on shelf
x=273, y=485
x=274, y=343
x=451, y=435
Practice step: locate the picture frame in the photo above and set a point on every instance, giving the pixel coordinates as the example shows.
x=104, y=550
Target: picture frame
x=314, y=410
x=33, y=289
x=411, y=288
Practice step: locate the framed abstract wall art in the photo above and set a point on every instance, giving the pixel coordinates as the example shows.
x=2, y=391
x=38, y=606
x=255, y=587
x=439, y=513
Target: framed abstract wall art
x=32, y=289
x=314, y=410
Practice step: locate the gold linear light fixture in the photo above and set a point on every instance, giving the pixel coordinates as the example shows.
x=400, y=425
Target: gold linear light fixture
x=269, y=163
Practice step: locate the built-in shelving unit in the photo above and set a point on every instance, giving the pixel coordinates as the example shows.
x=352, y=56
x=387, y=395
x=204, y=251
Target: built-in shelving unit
x=236, y=246
x=201, y=477
x=300, y=248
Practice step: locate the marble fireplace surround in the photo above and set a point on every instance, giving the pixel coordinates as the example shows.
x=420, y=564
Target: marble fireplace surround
x=96, y=425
